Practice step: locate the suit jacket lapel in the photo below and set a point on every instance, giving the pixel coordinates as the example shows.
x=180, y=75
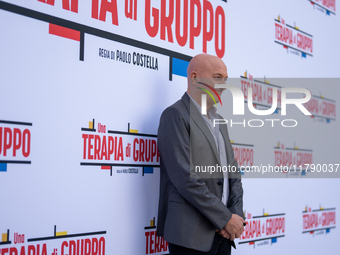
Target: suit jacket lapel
x=224, y=132
x=197, y=117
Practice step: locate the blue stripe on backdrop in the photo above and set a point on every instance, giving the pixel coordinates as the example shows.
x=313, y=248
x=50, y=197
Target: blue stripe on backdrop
x=3, y=167
x=148, y=170
x=179, y=67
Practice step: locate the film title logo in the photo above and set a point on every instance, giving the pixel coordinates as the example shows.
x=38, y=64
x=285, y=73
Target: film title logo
x=318, y=221
x=262, y=92
x=15, y=143
x=292, y=37
x=200, y=18
x=263, y=229
x=119, y=146
x=154, y=244
x=325, y=5
x=292, y=159
x=244, y=154
x=171, y=20
x=91, y=246
x=108, y=148
x=62, y=243
x=322, y=108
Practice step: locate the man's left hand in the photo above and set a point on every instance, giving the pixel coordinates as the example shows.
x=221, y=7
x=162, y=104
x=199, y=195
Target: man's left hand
x=223, y=233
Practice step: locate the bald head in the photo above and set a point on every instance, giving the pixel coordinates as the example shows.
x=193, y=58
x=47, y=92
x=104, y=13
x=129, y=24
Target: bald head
x=204, y=71
x=202, y=62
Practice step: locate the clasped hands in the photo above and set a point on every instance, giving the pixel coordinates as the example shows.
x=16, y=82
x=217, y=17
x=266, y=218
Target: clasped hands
x=233, y=229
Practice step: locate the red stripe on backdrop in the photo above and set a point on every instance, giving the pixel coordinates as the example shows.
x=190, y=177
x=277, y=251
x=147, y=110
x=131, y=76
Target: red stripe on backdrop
x=64, y=32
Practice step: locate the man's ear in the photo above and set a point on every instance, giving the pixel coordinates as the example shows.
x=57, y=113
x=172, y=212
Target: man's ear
x=193, y=77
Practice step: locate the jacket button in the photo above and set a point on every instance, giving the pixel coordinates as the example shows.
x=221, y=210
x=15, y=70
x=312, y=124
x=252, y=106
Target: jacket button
x=219, y=183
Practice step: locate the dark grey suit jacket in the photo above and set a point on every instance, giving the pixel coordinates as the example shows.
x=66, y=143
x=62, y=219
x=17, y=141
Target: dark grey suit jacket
x=190, y=209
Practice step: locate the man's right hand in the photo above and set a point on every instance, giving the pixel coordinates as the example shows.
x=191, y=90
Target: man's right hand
x=234, y=227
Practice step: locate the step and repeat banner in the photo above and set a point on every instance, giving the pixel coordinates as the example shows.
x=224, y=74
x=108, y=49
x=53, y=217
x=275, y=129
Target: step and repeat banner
x=82, y=88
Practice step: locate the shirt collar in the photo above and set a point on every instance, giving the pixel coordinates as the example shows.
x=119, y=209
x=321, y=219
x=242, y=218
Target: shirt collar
x=211, y=112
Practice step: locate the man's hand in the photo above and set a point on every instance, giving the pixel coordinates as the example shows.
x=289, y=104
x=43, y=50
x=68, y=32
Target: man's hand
x=233, y=228
x=223, y=233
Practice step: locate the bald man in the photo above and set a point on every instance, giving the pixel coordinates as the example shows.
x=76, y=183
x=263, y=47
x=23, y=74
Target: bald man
x=199, y=212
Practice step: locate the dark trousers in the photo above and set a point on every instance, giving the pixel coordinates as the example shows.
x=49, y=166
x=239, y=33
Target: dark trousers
x=221, y=246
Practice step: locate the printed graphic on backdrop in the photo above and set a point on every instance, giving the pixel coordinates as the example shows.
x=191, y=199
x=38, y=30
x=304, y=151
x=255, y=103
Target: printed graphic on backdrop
x=262, y=92
x=150, y=38
x=322, y=109
x=154, y=244
x=318, y=221
x=75, y=31
x=244, y=155
x=15, y=143
x=264, y=98
x=110, y=148
x=293, y=39
x=263, y=229
x=61, y=242
x=293, y=161
x=326, y=6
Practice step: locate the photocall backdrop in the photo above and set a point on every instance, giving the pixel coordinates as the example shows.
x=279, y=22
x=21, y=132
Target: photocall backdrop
x=83, y=84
